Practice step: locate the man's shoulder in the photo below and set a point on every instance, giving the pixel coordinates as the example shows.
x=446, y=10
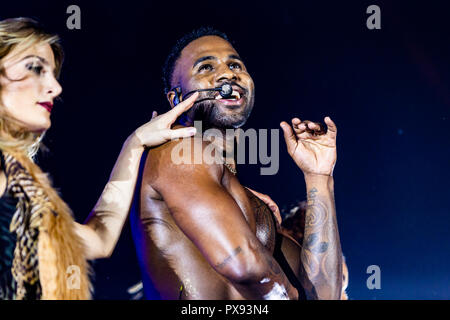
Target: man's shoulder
x=181, y=157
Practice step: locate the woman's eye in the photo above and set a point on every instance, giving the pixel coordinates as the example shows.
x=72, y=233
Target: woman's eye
x=235, y=66
x=205, y=67
x=36, y=68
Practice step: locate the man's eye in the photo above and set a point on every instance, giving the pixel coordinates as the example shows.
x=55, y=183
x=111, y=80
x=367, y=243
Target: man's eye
x=205, y=67
x=235, y=65
x=36, y=68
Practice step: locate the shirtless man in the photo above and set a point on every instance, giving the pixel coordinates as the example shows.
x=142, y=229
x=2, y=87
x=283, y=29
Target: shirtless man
x=199, y=233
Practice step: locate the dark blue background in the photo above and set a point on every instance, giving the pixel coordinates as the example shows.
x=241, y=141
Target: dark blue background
x=387, y=90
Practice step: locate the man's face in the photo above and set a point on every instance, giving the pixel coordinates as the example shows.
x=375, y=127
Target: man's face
x=208, y=62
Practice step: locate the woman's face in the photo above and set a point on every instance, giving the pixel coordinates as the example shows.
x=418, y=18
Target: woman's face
x=28, y=87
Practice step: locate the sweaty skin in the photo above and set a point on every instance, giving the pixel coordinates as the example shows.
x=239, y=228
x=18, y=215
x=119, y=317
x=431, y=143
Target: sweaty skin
x=200, y=234
x=28, y=89
x=206, y=233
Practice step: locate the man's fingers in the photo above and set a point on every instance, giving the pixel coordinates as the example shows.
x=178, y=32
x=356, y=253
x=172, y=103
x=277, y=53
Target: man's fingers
x=306, y=135
x=289, y=136
x=270, y=203
x=297, y=125
x=307, y=129
x=313, y=126
x=332, y=129
x=183, y=106
x=317, y=127
x=296, y=121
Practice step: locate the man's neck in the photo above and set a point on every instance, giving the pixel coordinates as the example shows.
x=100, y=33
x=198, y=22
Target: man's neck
x=222, y=143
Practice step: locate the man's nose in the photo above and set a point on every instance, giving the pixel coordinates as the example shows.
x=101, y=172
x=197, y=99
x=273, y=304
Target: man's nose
x=225, y=74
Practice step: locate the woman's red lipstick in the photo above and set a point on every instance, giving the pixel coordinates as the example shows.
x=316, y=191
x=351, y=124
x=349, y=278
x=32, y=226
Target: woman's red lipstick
x=47, y=105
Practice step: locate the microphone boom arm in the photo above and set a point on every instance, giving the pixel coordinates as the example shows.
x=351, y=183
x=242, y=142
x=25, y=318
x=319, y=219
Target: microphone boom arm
x=225, y=91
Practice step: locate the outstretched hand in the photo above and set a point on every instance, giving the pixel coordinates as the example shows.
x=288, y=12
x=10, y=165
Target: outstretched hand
x=158, y=129
x=312, y=148
x=270, y=203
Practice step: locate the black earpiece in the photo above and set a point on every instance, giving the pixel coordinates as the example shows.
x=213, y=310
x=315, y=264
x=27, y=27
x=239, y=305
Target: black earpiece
x=178, y=96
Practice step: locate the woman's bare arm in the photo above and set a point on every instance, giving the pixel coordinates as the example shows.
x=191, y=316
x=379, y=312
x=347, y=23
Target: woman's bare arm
x=102, y=228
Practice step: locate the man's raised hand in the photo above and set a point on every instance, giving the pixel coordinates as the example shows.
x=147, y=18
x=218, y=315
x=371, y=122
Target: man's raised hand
x=312, y=148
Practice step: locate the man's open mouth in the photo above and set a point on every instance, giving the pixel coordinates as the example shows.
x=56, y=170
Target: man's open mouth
x=236, y=95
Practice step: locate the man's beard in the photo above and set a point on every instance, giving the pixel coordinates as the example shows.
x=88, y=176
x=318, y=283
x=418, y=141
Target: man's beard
x=209, y=113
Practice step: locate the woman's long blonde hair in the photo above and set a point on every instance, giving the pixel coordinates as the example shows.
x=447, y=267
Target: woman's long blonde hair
x=20, y=34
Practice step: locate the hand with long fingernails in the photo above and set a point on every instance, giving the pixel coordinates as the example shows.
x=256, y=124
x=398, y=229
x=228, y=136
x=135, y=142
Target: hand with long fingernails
x=158, y=129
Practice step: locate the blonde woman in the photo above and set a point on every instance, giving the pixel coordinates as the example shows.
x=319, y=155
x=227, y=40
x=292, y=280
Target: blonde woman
x=39, y=240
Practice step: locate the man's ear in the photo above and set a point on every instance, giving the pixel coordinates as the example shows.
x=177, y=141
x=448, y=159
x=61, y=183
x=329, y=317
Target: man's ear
x=171, y=97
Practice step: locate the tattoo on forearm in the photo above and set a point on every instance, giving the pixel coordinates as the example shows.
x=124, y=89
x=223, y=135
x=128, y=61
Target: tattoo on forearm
x=227, y=259
x=319, y=247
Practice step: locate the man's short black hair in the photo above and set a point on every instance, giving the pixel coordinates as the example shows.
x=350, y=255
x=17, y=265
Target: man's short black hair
x=175, y=53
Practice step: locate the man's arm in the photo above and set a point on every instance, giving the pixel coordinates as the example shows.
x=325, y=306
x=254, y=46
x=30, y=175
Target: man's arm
x=321, y=253
x=310, y=290
x=210, y=217
x=291, y=235
x=314, y=151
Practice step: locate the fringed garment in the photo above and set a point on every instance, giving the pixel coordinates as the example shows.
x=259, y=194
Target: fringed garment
x=48, y=260
x=7, y=244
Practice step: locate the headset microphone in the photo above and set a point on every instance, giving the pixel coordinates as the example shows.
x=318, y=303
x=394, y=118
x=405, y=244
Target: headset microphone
x=225, y=91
